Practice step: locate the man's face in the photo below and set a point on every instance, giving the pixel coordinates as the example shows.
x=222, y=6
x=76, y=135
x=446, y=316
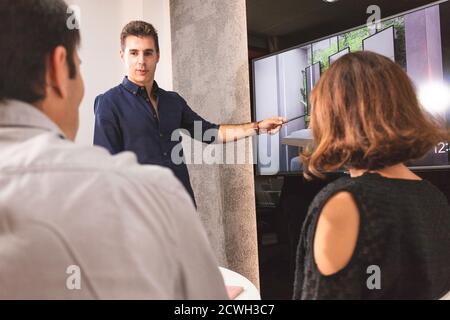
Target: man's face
x=140, y=58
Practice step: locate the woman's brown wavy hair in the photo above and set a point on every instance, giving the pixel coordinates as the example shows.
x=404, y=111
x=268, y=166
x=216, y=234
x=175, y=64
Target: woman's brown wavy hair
x=366, y=115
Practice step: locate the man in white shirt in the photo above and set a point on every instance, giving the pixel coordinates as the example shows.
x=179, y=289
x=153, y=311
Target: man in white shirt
x=75, y=222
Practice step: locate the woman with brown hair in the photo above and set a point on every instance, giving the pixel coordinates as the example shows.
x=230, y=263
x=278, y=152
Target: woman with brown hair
x=382, y=232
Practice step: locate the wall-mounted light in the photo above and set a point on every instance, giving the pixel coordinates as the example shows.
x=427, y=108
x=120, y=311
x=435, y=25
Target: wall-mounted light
x=330, y=1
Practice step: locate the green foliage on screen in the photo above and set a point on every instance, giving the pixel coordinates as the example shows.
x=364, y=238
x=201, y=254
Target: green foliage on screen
x=354, y=41
x=322, y=55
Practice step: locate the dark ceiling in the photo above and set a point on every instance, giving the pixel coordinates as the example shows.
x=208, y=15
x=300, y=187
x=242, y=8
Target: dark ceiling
x=291, y=22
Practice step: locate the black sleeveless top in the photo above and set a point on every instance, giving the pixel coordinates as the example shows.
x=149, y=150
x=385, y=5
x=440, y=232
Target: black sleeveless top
x=404, y=230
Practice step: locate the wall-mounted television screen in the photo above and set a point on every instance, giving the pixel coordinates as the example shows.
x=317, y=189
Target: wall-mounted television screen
x=418, y=40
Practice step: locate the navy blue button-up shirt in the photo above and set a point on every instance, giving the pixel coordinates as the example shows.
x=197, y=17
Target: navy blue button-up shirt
x=125, y=120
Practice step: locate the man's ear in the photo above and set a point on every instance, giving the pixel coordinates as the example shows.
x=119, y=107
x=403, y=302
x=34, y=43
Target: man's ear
x=58, y=71
x=122, y=55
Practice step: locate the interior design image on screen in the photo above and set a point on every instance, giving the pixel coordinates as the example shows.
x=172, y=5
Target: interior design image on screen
x=417, y=40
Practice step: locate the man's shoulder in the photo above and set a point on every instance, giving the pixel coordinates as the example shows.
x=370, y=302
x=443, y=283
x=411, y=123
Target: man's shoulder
x=121, y=167
x=52, y=155
x=112, y=91
x=143, y=188
x=171, y=94
x=108, y=99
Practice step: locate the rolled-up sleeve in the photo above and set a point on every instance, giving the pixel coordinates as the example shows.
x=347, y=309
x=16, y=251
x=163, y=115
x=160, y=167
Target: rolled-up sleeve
x=107, y=132
x=191, y=121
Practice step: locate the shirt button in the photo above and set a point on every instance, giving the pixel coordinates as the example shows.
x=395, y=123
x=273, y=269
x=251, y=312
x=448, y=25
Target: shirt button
x=154, y=116
x=165, y=154
x=161, y=135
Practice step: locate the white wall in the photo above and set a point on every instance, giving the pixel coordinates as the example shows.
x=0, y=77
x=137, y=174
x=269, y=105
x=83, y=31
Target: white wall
x=102, y=69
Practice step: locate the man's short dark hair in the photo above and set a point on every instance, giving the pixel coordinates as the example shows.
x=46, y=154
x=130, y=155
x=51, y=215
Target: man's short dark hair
x=139, y=29
x=31, y=30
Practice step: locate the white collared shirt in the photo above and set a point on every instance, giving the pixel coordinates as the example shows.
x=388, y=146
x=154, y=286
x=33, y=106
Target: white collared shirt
x=78, y=223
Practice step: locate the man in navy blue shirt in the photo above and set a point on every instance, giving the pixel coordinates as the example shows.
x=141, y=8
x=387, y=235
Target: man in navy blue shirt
x=139, y=116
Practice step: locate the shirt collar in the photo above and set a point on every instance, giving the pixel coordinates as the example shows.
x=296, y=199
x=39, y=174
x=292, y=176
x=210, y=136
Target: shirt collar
x=21, y=114
x=134, y=88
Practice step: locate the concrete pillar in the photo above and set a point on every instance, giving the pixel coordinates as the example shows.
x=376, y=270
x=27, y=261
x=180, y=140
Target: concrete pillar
x=210, y=70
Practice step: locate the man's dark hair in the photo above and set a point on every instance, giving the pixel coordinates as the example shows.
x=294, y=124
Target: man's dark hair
x=31, y=30
x=139, y=29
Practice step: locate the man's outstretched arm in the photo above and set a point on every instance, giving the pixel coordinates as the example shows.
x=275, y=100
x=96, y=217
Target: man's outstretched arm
x=233, y=132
